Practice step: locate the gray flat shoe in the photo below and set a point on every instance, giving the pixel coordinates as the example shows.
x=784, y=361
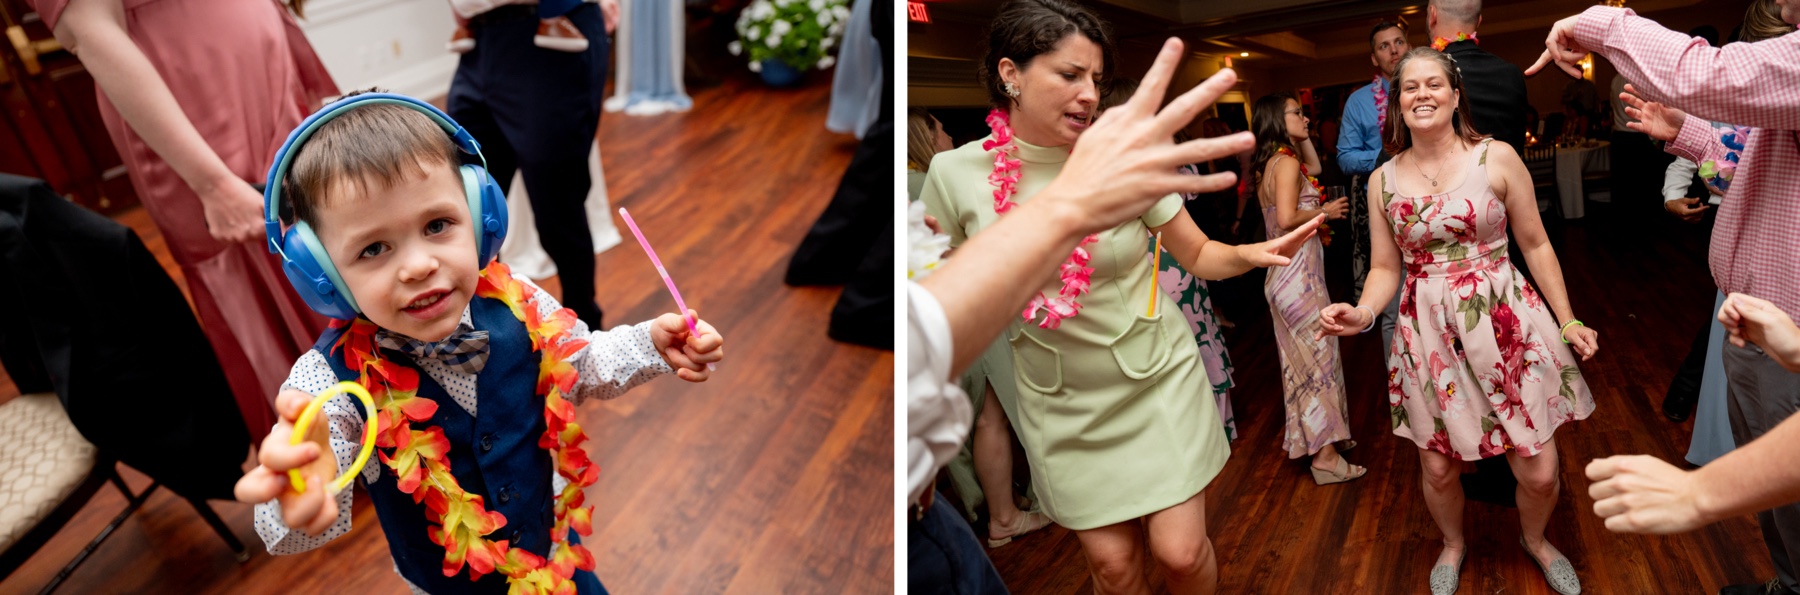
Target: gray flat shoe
x=1560, y=573
x=1445, y=579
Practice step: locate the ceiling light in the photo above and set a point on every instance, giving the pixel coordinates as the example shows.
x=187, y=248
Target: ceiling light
x=1243, y=54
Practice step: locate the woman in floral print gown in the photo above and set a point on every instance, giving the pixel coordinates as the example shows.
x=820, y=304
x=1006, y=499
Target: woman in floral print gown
x=1479, y=366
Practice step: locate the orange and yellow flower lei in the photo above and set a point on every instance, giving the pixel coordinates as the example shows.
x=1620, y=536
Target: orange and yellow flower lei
x=1442, y=42
x=1325, y=231
x=420, y=457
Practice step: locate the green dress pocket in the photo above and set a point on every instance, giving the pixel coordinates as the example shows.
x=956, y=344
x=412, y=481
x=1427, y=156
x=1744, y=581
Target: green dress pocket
x=1038, y=366
x=1142, y=350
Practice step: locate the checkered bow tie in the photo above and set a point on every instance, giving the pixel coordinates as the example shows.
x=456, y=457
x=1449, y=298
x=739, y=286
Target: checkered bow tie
x=464, y=350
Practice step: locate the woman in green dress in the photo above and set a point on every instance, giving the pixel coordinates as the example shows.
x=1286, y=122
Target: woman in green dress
x=1114, y=408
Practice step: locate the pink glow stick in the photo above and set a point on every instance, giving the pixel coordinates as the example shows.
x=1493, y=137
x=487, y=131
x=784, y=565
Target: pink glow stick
x=670, y=283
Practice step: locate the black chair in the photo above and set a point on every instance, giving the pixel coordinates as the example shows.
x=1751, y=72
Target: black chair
x=90, y=326
x=1540, y=161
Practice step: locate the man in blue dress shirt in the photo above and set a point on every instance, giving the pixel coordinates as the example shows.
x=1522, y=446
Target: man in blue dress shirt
x=1359, y=150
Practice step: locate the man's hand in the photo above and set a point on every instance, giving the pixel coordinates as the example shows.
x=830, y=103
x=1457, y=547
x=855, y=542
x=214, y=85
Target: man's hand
x=1643, y=494
x=1688, y=209
x=1128, y=160
x=1758, y=321
x=1560, y=47
x=1659, y=121
x=609, y=10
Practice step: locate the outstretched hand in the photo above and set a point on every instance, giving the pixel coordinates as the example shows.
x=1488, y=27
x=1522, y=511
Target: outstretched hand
x=1560, y=47
x=1643, y=494
x=313, y=511
x=1659, y=121
x=1280, y=251
x=1128, y=160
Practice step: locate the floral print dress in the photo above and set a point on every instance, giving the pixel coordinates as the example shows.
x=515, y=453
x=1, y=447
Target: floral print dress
x=1312, y=373
x=1478, y=366
x=1191, y=295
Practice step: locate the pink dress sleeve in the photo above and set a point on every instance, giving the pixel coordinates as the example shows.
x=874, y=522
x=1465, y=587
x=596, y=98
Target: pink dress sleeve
x=1747, y=84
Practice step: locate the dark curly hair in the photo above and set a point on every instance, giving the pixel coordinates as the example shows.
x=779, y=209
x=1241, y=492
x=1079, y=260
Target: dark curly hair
x=1024, y=29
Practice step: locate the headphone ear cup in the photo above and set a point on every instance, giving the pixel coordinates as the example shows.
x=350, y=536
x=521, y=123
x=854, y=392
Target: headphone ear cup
x=310, y=278
x=487, y=203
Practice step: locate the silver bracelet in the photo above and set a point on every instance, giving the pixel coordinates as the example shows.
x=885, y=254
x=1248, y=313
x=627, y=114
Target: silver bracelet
x=1371, y=318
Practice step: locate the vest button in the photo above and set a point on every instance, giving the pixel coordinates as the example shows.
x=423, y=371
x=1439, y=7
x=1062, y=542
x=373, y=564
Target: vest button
x=515, y=537
x=487, y=443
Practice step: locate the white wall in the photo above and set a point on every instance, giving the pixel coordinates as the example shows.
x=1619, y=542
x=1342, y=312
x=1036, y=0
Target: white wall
x=394, y=44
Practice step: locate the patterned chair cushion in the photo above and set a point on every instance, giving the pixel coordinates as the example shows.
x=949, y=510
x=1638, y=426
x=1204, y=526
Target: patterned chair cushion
x=42, y=460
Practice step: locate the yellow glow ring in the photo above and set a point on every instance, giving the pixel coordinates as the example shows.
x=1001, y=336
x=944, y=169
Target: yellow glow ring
x=304, y=423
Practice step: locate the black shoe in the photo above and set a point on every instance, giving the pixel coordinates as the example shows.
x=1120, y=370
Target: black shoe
x=1678, y=407
x=1769, y=588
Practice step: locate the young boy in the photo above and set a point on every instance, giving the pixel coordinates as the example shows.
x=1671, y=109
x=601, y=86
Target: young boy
x=380, y=186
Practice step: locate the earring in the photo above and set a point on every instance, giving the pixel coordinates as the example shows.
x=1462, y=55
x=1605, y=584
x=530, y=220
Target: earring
x=1012, y=90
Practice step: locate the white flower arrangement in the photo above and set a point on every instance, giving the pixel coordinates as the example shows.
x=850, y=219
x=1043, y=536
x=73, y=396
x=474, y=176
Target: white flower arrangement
x=924, y=248
x=799, y=33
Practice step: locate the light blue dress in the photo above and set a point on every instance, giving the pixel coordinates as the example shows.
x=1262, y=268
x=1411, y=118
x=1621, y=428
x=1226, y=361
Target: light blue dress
x=1712, y=425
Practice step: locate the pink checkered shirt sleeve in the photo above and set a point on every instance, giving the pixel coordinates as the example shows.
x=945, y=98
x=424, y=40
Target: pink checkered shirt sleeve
x=1747, y=84
x=1698, y=142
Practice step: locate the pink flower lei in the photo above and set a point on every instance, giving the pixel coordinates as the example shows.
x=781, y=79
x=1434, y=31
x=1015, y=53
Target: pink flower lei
x=1381, y=97
x=1075, y=273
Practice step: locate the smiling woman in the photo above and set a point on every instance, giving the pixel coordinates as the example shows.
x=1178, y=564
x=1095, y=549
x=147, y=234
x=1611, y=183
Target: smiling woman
x=1476, y=373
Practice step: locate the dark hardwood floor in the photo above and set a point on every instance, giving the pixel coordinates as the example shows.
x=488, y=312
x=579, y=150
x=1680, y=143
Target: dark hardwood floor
x=774, y=477
x=1642, y=284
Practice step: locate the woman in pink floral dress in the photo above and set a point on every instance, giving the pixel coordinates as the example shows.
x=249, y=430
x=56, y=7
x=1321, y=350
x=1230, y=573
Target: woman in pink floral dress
x=1479, y=366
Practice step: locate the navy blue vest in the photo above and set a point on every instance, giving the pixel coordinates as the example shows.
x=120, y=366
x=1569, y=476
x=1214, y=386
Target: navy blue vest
x=495, y=455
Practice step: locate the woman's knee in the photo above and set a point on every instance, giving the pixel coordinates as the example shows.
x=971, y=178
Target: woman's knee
x=1439, y=472
x=1185, y=557
x=1539, y=479
x=1116, y=571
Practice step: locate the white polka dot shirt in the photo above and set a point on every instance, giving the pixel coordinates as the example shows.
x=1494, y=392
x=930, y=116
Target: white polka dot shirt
x=613, y=362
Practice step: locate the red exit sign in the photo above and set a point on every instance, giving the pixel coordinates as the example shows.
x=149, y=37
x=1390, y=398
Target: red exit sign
x=915, y=12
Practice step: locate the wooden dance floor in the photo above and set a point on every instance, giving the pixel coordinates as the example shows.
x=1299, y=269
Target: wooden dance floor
x=774, y=477
x=1643, y=285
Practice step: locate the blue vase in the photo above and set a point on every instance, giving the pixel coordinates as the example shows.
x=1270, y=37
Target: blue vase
x=778, y=74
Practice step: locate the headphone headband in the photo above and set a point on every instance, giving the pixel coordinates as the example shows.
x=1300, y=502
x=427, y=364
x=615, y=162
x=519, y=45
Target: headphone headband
x=278, y=170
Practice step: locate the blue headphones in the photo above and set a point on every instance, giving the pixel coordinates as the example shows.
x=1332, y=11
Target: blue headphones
x=303, y=258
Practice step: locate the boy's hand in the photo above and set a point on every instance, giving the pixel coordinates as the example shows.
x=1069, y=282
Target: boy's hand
x=689, y=355
x=313, y=511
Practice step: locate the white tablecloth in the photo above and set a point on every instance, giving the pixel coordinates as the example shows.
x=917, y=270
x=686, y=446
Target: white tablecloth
x=1571, y=163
